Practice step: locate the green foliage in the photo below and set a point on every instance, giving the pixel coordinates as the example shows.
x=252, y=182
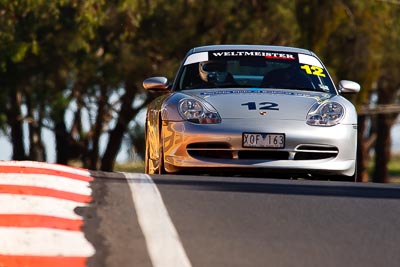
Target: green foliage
x=349, y=36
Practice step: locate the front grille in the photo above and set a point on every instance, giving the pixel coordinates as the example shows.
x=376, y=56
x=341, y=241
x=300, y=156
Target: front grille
x=224, y=151
x=208, y=146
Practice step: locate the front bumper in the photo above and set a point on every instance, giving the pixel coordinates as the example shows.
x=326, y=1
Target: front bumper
x=308, y=149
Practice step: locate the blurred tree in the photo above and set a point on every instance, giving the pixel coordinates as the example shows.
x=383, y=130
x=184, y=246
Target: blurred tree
x=388, y=92
x=37, y=45
x=350, y=37
x=53, y=58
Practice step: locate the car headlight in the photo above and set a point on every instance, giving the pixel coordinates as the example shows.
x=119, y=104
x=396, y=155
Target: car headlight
x=197, y=112
x=327, y=114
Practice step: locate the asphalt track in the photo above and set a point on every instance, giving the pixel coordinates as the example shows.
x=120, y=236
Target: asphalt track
x=54, y=215
x=222, y=221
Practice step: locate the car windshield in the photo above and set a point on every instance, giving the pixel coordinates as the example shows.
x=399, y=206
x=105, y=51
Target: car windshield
x=254, y=69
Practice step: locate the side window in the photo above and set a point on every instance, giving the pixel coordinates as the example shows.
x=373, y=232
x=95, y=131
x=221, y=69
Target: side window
x=190, y=77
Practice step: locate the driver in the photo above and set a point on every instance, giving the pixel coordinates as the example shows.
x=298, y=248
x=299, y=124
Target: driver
x=213, y=71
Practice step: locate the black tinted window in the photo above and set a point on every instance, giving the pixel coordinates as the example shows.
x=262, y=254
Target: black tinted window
x=283, y=71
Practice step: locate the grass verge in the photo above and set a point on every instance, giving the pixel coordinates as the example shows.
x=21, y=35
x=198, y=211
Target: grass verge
x=137, y=166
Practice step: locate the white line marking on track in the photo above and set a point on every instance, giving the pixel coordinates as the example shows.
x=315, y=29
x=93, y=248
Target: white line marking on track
x=25, y=204
x=43, y=242
x=162, y=240
x=46, y=181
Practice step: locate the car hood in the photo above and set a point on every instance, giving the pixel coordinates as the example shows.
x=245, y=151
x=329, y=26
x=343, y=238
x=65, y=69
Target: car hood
x=257, y=103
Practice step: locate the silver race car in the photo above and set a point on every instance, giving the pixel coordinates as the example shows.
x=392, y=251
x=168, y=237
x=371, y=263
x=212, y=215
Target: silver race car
x=243, y=108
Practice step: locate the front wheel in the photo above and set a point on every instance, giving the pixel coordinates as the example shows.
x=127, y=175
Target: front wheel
x=154, y=166
x=146, y=157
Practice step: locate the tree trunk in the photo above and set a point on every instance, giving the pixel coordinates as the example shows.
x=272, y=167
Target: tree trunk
x=362, y=151
x=37, y=151
x=60, y=131
x=115, y=140
x=97, y=131
x=113, y=146
x=14, y=118
x=126, y=114
x=386, y=95
x=383, y=148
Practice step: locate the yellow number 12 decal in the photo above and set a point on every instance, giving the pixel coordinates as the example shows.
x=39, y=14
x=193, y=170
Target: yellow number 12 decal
x=314, y=70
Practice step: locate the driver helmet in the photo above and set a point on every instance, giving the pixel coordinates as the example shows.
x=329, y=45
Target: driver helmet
x=213, y=71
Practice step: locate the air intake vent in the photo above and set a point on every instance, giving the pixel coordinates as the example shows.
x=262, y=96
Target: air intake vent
x=263, y=155
x=210, y=150
x=314, y=152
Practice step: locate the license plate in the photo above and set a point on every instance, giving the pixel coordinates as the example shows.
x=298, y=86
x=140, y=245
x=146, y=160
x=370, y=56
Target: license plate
x=264, y=140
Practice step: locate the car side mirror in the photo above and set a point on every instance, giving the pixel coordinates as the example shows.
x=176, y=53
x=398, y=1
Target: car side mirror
x=157, y=84
x=348, y=87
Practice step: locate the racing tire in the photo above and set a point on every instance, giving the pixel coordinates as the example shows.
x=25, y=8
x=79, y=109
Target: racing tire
x=153, y=166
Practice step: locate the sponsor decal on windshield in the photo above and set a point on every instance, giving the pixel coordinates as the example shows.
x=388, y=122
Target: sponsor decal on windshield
x=301, y=58
x=309, y=60
x=265, y=54
x=261, y=91
x=196, y=58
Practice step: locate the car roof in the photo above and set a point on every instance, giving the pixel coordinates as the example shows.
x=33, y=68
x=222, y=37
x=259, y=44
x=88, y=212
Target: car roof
x=251, y=47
